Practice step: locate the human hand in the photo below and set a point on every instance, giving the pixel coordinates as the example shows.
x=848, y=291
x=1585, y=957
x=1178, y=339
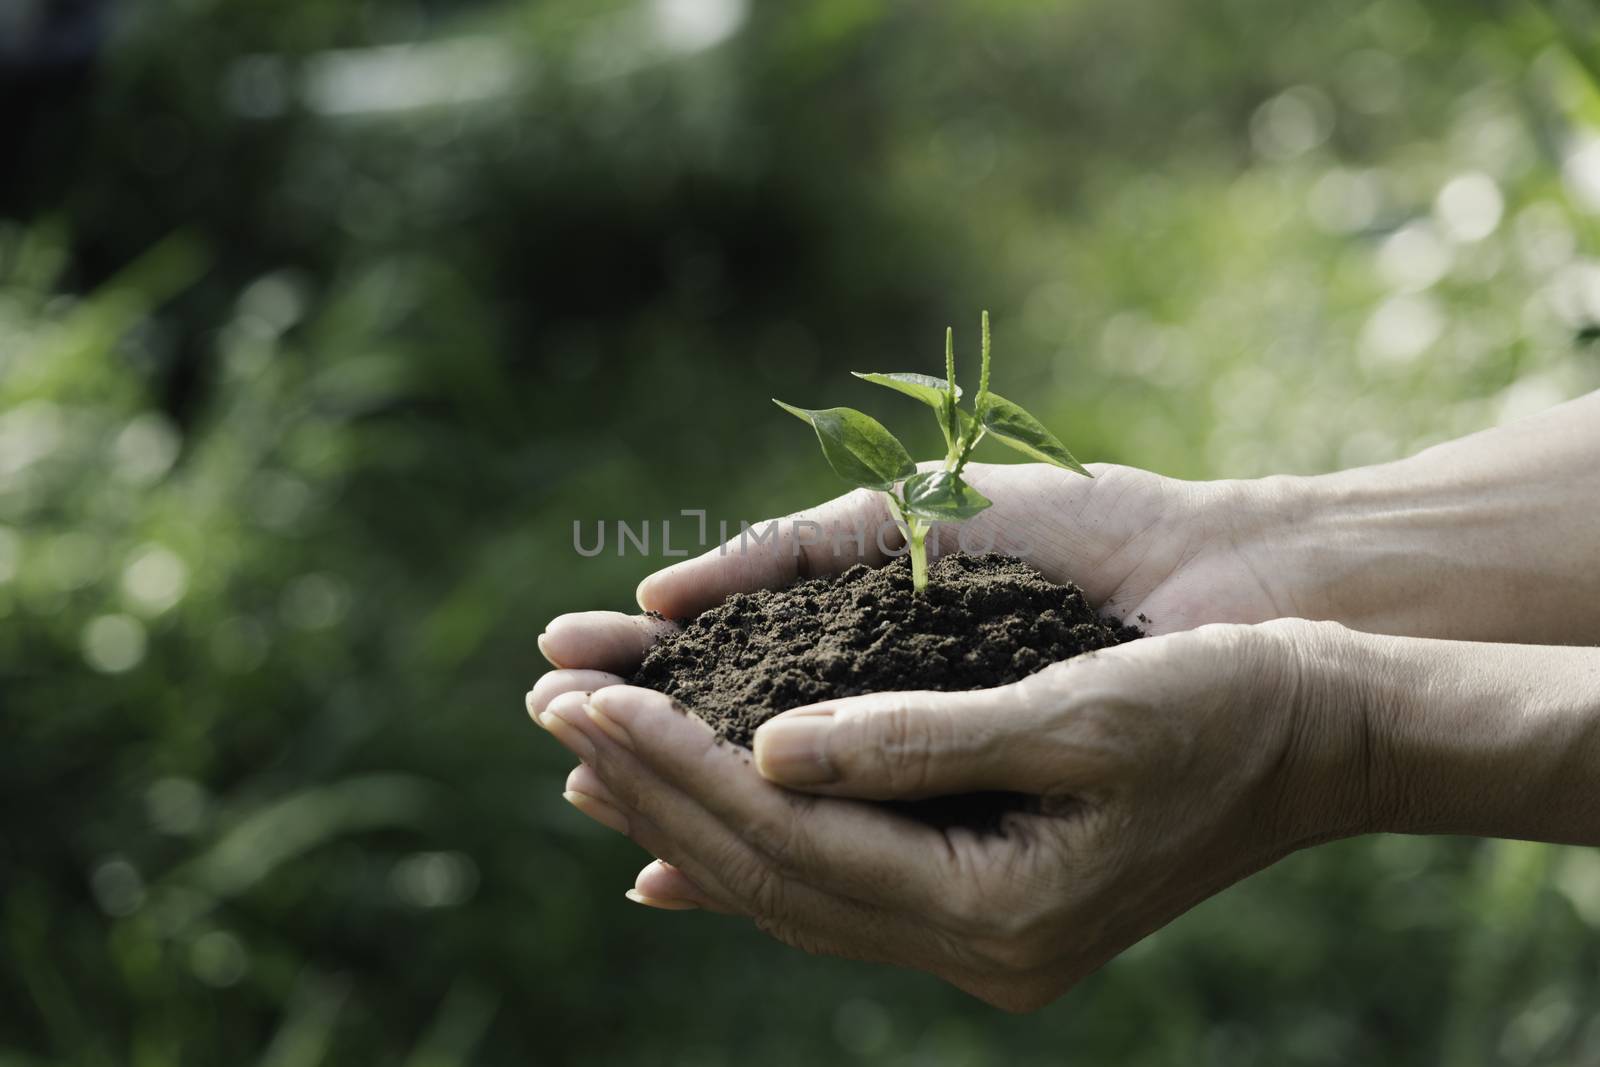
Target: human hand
x=1455, y=542
x=1177, y=553
x=1180, y=553
x=1189, y=760
x=1168, y=769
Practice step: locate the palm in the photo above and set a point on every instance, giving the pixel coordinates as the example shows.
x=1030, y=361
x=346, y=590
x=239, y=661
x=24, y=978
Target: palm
x=1181, y=554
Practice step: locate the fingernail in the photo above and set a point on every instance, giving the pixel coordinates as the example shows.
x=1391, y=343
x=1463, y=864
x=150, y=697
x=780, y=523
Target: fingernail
x=659, y=902
x=598, y=810
x=639, y=591
x=793, y=750
x=544, y=650
x=569, y=735
x=612, y=728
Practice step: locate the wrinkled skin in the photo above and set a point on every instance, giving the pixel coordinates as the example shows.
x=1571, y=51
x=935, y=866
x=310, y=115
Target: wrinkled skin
x=1166, y=766
x=1166, y=769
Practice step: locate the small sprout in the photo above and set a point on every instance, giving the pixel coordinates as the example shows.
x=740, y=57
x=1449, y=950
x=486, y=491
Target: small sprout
x=865, y=454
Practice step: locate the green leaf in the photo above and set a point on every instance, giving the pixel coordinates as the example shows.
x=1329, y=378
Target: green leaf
x=925, y=387
x=941, y=496
x=857, y=446
x=1015, y=427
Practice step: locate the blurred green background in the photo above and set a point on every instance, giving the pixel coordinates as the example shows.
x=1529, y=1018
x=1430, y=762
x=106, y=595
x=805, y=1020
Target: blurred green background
x=321, y=323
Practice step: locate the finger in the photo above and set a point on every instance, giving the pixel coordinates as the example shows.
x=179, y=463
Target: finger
x=583, y=779
x=856, y=850
x=907, y=746
x=586, y=792
x=601, y=640
x=817, y=922
x=678, y=829
x=828, y=539
x=661, y=885
x=552, y=684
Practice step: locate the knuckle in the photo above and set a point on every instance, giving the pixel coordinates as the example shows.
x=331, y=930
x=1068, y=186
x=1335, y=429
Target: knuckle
x=776, y=833
x=747, y=877
x=763, y=889
x=1301, y=628
x=901, y=743
x=625, y=787
x=1207, y=640
x=1277, y=637
x=771, y=834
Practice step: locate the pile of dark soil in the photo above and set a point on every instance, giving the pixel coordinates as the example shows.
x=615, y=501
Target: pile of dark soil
x=983, y=621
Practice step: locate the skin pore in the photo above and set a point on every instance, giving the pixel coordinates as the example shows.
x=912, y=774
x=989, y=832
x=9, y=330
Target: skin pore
x=1377, y=650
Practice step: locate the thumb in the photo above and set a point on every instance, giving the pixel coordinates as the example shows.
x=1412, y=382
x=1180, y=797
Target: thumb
x=825, y=540
x=885, y=746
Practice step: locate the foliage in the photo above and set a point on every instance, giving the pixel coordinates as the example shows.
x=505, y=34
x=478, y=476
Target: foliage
x=313, y=347
x=866, y=455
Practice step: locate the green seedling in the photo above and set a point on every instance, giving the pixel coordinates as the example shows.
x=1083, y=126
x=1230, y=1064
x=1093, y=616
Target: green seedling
x=865, y=454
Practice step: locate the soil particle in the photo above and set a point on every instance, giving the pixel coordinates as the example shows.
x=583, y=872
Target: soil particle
x=983, y=621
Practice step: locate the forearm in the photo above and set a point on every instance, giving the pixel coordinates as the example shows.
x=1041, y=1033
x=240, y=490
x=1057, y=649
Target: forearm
x=1483, y=739
x=1493, y=537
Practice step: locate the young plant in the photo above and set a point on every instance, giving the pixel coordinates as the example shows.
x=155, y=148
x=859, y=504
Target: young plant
x=865, y=454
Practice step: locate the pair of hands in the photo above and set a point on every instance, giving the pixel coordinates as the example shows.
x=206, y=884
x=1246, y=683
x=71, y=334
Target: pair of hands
x=1168, y=768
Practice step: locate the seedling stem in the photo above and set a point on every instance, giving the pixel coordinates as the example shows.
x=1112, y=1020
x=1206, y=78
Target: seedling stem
x=865, y=454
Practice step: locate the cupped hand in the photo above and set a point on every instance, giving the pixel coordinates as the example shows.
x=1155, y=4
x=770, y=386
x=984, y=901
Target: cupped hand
x=1171, y=554
x=1178, y=553
x=1181, y=553
x=1169, y=768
